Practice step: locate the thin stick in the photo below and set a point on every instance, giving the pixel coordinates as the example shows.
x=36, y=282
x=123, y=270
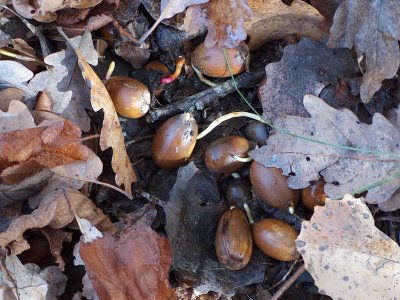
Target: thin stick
x=286, y=275
x=288, y=283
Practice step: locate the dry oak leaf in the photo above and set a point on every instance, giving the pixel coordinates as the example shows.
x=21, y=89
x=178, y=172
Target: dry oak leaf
x=27, y=282
x=348, y=257
x=306, y=68
x=55, y=211
x=169, y=8
x=111, y=132
x=344, y=170
x=64, y=83
x=372, y=27
x=45, y=10
x=132, y=265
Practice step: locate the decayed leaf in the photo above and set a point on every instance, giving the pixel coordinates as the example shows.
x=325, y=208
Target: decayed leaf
x=373, y=28
x=111, y=133
x=45, y=11
x=226, y=20
x=56, y=238
x=27, y=282
x=193, y=212
x=169, y=8
x=344, y=170
x=348, y=257
x=56, y=211
x=304, y=69
x=132, y=265
x=64, y=83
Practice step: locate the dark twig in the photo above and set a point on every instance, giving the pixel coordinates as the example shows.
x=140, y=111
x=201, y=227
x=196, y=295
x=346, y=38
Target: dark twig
x=288, y=283
x=200, y=100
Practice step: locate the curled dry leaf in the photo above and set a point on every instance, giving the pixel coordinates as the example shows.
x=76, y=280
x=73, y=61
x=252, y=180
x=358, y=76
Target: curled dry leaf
x=132, y=265
x=111, y=132
x=45, y=11
x=64, y=84
x=348, y=257
x=344, y=170
x=27, y=282
x=305, y=68
x=263, y=21
x=56, y=238
x=55, y=211
x=373, y=29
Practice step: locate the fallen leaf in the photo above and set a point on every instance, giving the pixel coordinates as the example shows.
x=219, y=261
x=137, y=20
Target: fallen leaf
x=193, y=212
x=15, y=74
x=169, y=8
x=56, y=238
x=304, y=69
x=226, y=19
x=132, y=265
x=27, y=282
x=344, y=170
x=56, y=210
x=45, y=11
x=111, y=133
x=64, y=84
x=348, y=257
x=373, y=29
x=6, y=97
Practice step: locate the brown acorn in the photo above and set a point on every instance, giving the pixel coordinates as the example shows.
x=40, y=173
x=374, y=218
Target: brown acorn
x=131, y=98
x=276, y=239
x=174, y=141
x=233, y=242
x=219, y=156
x=313, y=195
x=211, y=61
x=271, y=186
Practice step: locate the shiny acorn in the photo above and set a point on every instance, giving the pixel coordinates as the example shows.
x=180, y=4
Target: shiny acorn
x=313, y=195
x=131, y=98
x=233, y=242
x=211, y=61
x=174, y=141
x=220, y=154
x=271, y=186
x=276, y=239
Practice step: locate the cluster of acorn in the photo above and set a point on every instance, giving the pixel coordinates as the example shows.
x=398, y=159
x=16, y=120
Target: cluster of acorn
x=174, y=142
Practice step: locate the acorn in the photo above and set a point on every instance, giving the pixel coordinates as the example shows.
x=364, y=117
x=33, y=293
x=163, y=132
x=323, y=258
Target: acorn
x=211, y=61
x=276, y=239
x=158, y=66
x=220, y=154
x=238, y=191
x=271, y=186
x=131, y=98
x=174, y=141
x=313, y=195
x=257, y=132
x=233, y=242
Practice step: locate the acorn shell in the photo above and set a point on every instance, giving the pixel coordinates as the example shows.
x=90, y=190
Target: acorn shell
x=131, y=98
x=233, y=241
x=276, y=239
x=174, y=141
x=313, y=195
x=271, y=186
x=219, y=156
x=211, y=61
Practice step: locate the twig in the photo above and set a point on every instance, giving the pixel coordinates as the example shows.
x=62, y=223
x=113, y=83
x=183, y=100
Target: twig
x=200, y=100
x=149, y=197
x=288, y=283
x=122, y=31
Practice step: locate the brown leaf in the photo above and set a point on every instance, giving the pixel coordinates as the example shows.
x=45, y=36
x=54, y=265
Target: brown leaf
x=45, y=11
x=64, y=83
x=56, y=238
x=111, y=133
x=26, y=152
x=373, y=29
x=169, y=8
x=305, y=68
x=55, y=211
x=27, y=281
x=134, y=265
x=348, y=257
x=344, y=170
